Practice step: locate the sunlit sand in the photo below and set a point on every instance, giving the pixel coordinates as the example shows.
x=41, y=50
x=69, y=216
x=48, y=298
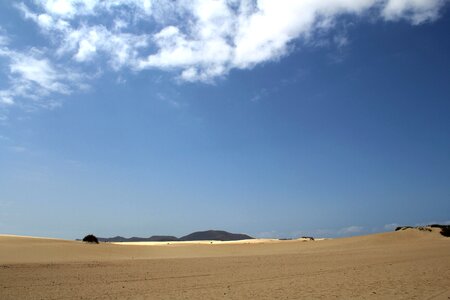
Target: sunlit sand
x=408, y=264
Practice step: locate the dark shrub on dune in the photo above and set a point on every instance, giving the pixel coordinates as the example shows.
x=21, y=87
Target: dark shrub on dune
x=90, y=238
x=445, y=229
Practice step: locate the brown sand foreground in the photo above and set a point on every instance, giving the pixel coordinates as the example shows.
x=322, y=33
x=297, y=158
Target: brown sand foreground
x=409, y=264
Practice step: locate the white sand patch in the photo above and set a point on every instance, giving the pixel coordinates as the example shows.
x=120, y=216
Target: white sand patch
x=208, y=242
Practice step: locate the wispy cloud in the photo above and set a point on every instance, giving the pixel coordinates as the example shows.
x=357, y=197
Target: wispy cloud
x=415, y=11
x=198, y=40
x=34, y=77
x=170, y=99
x=261, y=94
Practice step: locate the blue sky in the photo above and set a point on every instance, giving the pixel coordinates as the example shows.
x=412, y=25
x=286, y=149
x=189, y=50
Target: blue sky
x=138, y=117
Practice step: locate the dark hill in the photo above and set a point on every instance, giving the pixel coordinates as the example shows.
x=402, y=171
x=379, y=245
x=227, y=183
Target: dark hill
x=215, y=235
x=113, y=239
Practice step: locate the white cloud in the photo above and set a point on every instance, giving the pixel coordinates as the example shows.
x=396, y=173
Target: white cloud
x=205, y=39
x=37, y=71
x=34, y=77
x=87, y=42
x=6, y=98
x=416, y=11
x=219, y=38
x=72, y=8
x=199, y=40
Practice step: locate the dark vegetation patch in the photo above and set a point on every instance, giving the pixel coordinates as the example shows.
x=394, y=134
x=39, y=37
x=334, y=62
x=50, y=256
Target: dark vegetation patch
x=424, y=228
x=445, y=229
x=90, y=238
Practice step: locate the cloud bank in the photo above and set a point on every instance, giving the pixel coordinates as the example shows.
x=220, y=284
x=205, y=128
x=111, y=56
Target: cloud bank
x=197, y=40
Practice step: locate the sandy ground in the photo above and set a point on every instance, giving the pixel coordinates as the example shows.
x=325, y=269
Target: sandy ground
x=409, y=264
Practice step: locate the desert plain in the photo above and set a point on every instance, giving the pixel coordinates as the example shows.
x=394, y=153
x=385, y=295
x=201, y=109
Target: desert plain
x=407, y=264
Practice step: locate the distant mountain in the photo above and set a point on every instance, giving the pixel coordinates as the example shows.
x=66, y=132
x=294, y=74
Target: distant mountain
x=213, y=235
x=113, y=239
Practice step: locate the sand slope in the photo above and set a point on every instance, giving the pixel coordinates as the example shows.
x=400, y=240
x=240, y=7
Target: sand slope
x=408, y=264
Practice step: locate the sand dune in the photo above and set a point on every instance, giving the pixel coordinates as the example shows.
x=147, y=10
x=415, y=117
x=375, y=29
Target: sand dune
x=408, y=264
